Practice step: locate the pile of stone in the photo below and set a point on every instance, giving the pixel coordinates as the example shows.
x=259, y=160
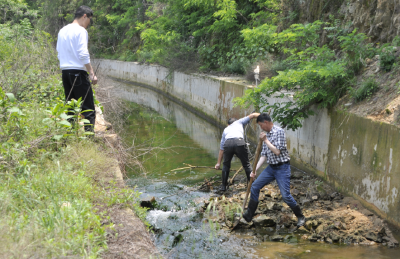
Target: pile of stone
x=331, y=218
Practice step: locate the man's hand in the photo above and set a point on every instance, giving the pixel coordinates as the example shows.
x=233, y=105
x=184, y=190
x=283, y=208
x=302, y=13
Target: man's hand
x=217, y=166
x=263, y=136
x=252, y=175
x=93, y=78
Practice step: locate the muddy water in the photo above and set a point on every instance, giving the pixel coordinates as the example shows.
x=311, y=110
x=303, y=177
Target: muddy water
x=177, y=137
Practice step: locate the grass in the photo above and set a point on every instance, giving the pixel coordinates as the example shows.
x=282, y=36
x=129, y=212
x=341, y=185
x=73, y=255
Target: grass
x=56, y=184
x=52, y=209
x=366, y=89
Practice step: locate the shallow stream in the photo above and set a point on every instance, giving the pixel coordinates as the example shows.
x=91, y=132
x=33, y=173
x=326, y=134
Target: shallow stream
x=176, y=136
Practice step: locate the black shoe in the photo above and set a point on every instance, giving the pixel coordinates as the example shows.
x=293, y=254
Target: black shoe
x=248, y=215
x=224, y=185
x=222, y=188
x=301, y=220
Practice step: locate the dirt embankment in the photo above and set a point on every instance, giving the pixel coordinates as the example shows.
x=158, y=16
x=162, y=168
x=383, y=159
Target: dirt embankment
x=384, y=105
x=129, y=238
x=331, y=218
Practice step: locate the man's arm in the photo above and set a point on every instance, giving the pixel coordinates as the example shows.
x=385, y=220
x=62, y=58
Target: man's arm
x=261, y=161
x=92, y=76
x=220, y=155
x=247, y=119
x=253, y=115
x=274, y=150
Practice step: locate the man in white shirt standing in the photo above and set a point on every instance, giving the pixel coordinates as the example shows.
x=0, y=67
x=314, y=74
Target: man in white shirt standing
x=77, y=72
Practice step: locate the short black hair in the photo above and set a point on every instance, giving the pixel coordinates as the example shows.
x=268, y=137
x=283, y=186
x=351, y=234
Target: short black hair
x=231, y=120
x=83, y=10
x=263, y=117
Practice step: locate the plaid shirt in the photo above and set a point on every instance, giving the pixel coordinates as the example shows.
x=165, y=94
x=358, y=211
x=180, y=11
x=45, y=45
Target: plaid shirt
x=278, y=139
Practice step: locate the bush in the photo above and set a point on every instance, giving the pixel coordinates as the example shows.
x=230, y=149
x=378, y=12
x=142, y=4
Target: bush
x=387, y=57
x=366, y=89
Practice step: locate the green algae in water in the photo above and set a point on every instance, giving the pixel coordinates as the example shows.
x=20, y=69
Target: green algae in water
x=163, y=147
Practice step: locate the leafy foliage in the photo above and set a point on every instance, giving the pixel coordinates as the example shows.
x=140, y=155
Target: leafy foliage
x=49, y=196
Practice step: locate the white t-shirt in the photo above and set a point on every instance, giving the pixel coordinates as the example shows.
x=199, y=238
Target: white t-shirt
x=72, y=47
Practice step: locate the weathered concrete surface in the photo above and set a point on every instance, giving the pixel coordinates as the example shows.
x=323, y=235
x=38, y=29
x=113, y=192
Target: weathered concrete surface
x=357, y=155
x=363, y=160
x=209, y=96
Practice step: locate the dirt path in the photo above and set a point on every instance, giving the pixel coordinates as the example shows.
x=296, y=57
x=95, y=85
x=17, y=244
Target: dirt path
x=331, y=217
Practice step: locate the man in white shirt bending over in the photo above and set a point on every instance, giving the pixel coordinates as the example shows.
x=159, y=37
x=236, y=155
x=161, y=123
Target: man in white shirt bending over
x=77, y=72
x=232, y=143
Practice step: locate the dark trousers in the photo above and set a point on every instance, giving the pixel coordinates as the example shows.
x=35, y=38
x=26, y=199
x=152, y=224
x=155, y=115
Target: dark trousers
x=81, y=89
x=236, y=147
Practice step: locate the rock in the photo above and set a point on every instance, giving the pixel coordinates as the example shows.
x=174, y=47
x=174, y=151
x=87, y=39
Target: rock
x=328, y=240
x=277, y=206
x=296, y=175
x=367, y=212
x=313, y=238
x=289, y=237
x=314, y=223
x=229, y=224
x=302, y=230
x=148, y=202
x=320, y=229
x=274, y=195
x=295, y=192
x=270, y=205
x=334, y=236
x=277, y=238
x=339, y=225
x=244, y=224
x=263, y=221
x=373, y=237
x=309, y=225
x=314, y=198
x=285, y=220
x=333, y=195
x=348, y=104
x=266, y=238
x=305, y=202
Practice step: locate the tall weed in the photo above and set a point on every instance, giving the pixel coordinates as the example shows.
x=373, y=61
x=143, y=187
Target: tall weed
x=51, y=174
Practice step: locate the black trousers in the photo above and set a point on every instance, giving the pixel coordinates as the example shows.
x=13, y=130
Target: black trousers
x=236, y=147
x=80, y=89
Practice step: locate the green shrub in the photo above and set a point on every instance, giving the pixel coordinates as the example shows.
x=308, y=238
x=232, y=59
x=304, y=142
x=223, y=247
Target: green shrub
x=366, y=89
x=387, y=57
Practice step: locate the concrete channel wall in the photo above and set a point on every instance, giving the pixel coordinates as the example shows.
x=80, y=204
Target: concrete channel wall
x=355, y=154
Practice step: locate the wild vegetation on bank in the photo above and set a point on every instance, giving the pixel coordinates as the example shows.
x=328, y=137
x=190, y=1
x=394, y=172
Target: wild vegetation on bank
x=53, y=198
x=312, y=55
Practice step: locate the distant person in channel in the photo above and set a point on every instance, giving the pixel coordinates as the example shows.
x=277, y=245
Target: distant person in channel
x=77, y=72
x=232, y=143
x=275, y=152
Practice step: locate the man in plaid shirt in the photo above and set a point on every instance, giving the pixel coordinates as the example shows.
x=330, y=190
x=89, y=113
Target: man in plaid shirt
x=277, y=156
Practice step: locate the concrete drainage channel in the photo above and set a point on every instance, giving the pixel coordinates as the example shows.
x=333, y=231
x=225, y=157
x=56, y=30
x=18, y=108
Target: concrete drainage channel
x=192, y=222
